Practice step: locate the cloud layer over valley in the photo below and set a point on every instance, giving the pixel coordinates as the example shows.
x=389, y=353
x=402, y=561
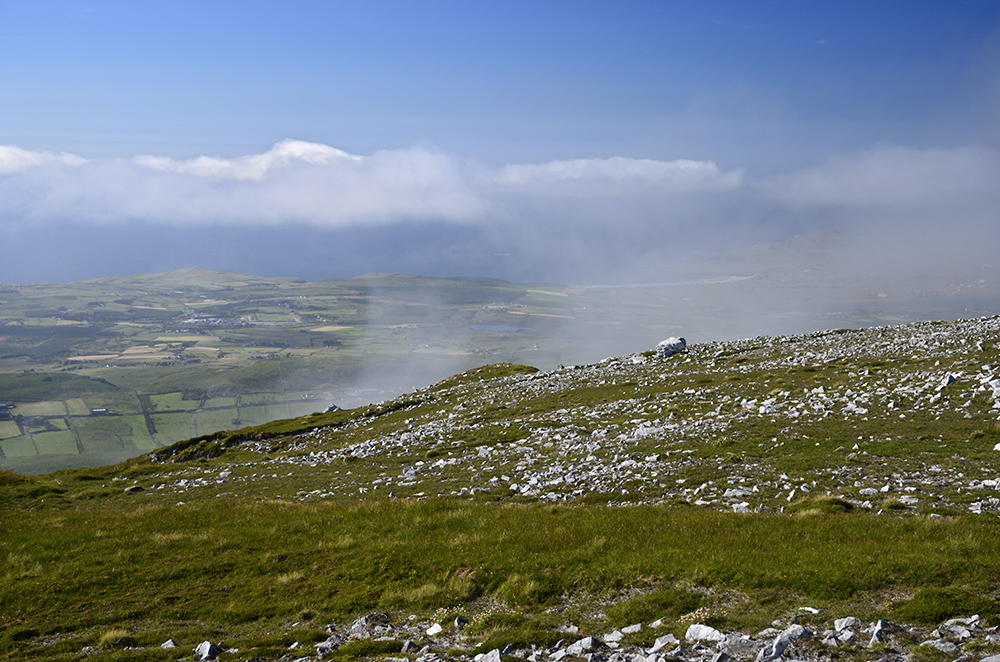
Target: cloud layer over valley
x=420, y=209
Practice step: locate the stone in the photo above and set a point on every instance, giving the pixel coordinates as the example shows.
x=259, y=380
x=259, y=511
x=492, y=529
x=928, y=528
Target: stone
x=774, y=649
x=699, y=632
x=670, y=346
x=948, y=380
x=971, y=621
x=434, y=629
x=331, y=644
x=585, y=645
x=663, y=642
x=461, y=622
x=632, y=629
x=206, y=650
x=878, y=633
x=169, y=643
x=409, y=646
x=492, y=656
x=721, y=656
x=842, y=624
x=942, y=645
x=739, y=646
x=363, y=624
x=991, y=658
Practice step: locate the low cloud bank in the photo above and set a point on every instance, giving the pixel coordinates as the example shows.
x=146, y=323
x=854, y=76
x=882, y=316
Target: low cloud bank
x=572, y=220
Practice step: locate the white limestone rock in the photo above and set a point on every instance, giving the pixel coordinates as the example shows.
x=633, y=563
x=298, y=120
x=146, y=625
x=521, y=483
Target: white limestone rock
x=700, y=632
x=670, y=346
x=206, y=650
x=774, y=649
x=662, y=642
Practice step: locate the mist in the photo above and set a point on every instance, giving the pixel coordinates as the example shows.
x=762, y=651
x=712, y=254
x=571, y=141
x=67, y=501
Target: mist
x=313, y=211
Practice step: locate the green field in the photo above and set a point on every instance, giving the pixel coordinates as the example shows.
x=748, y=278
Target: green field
x=18, y=447
x=171, y=402
x=55, y=443
x=51, y=408
x=9, y=429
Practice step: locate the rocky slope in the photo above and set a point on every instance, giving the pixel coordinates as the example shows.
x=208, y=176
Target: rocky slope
x=903, y=418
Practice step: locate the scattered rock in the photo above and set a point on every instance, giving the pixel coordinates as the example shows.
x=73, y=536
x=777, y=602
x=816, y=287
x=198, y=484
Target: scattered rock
x=942, y=645
x=846, y=623
x=663, y=642
x=774, y=650
x=585, y=645
x=206, y=650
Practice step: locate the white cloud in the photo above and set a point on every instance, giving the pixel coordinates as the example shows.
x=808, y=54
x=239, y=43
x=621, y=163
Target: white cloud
x=892, y=177
x=301, y=182
x=672, y=175
x=255, y=166
x=294, y=182
x=14, y=159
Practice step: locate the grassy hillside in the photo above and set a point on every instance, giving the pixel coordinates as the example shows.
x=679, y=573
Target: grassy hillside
x=853, y=473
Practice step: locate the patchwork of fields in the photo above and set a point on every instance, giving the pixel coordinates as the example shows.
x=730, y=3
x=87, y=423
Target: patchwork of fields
x=95, y=372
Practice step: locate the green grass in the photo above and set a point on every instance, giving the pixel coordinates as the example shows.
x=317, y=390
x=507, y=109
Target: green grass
x=265, y=534
x=17, y=447
x=62, y=442
x=49, y=408
x=95, y=568
x=932, y=605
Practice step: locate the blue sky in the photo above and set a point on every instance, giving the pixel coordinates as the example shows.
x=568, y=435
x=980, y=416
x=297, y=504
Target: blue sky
x=483, y=130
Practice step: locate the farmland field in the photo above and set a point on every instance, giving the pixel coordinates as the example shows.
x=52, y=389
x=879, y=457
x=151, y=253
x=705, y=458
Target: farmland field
x=9, y=429
x=50, y=408
x=61, y=442
x=18, y=447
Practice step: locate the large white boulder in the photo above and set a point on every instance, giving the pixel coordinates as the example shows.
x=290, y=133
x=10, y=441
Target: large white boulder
x=670, y=346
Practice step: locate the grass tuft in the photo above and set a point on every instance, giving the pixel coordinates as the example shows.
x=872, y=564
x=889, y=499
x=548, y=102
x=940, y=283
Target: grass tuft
x=821, y=505
x=117, y=638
